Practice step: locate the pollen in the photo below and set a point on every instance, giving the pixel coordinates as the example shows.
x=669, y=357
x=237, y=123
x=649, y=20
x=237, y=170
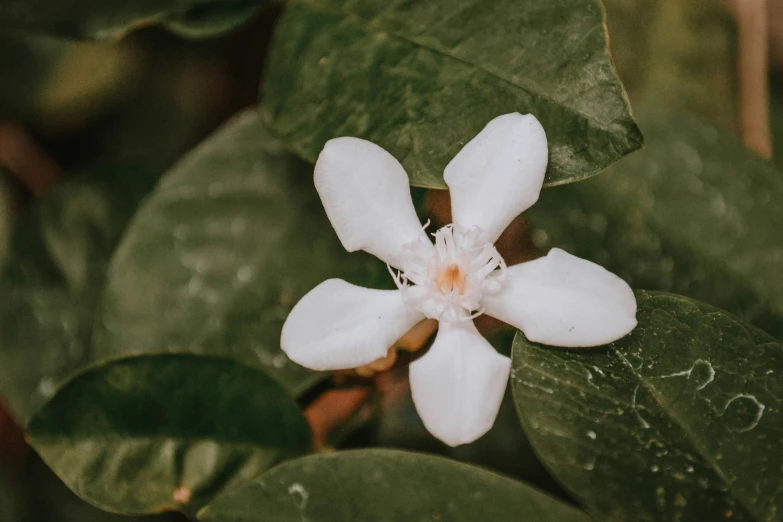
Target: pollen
x=451, y=279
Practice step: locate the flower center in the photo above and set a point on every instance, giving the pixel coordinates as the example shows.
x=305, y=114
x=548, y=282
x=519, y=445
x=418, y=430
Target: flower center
x=450, y=280
x=447, y=282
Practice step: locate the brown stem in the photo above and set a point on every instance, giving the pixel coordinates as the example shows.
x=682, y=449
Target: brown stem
x=753, y=67
x=26, y=160
x=331, y=409
x=775, y=25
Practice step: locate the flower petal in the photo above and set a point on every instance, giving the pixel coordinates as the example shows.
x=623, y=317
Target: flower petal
x=338, y=325
x=367, y=197
x=498, y=174
x=562, y=300
x=458, y=385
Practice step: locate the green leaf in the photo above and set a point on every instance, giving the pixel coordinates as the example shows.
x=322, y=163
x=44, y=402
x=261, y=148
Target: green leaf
x=211, y=19
x=421, y=79
x=31, y=492
x=217, y=256
x=98, y=20
x=680, y=420
x=166, y=432
x=53, y=276
x=388, y=486
x=694, y=213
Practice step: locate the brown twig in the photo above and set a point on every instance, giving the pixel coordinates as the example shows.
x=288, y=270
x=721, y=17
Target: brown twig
x=26, y=161
x=331, y=409
x=753, y=68
x=775, y=25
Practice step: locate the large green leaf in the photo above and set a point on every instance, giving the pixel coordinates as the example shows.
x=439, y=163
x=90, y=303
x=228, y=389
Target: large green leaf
x=388, y=486
x=680, y=420
x=422, y=78
x=694, y=213
x=96, y=19
x=214, y=260
x=31, y=492
x=53, y=276
x=166, y=432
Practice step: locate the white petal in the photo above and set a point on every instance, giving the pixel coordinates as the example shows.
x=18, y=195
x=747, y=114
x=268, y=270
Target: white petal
x=338, y=325
x=562, y=300
x=458, y=385
x=498, y=174
x=367, y=197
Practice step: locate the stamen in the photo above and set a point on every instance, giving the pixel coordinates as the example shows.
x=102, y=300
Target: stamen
x=447, y=282
x=399, y=279
x=475, y=314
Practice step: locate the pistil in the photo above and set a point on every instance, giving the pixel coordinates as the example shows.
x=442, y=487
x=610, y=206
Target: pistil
x=451, y=279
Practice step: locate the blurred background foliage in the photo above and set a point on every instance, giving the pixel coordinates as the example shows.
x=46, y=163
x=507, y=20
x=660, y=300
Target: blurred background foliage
x=153, y=94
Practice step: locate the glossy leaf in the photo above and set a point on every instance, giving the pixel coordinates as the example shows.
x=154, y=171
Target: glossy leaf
x=388, y=486
x=680, y=420
x=97, y=20
x=31, y=492
x=421, y=79
x=694, y=213
x=52, y=278
x=218, y=255
x=166, y=432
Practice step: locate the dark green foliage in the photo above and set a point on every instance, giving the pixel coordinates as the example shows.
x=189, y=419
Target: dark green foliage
x=230, y=240
x=680, y=420
x=421, y=79
x=694, y=213
x=166, y=432
x=385, y=486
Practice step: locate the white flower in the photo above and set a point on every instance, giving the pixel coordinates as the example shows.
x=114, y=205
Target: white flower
x=458, y=384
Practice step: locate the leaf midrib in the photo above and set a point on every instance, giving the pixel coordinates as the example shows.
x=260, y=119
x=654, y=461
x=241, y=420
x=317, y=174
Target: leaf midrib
x=374, y=24
x=689, y=432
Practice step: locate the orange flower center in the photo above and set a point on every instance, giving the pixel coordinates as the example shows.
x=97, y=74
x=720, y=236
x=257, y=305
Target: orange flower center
x=451, y=279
